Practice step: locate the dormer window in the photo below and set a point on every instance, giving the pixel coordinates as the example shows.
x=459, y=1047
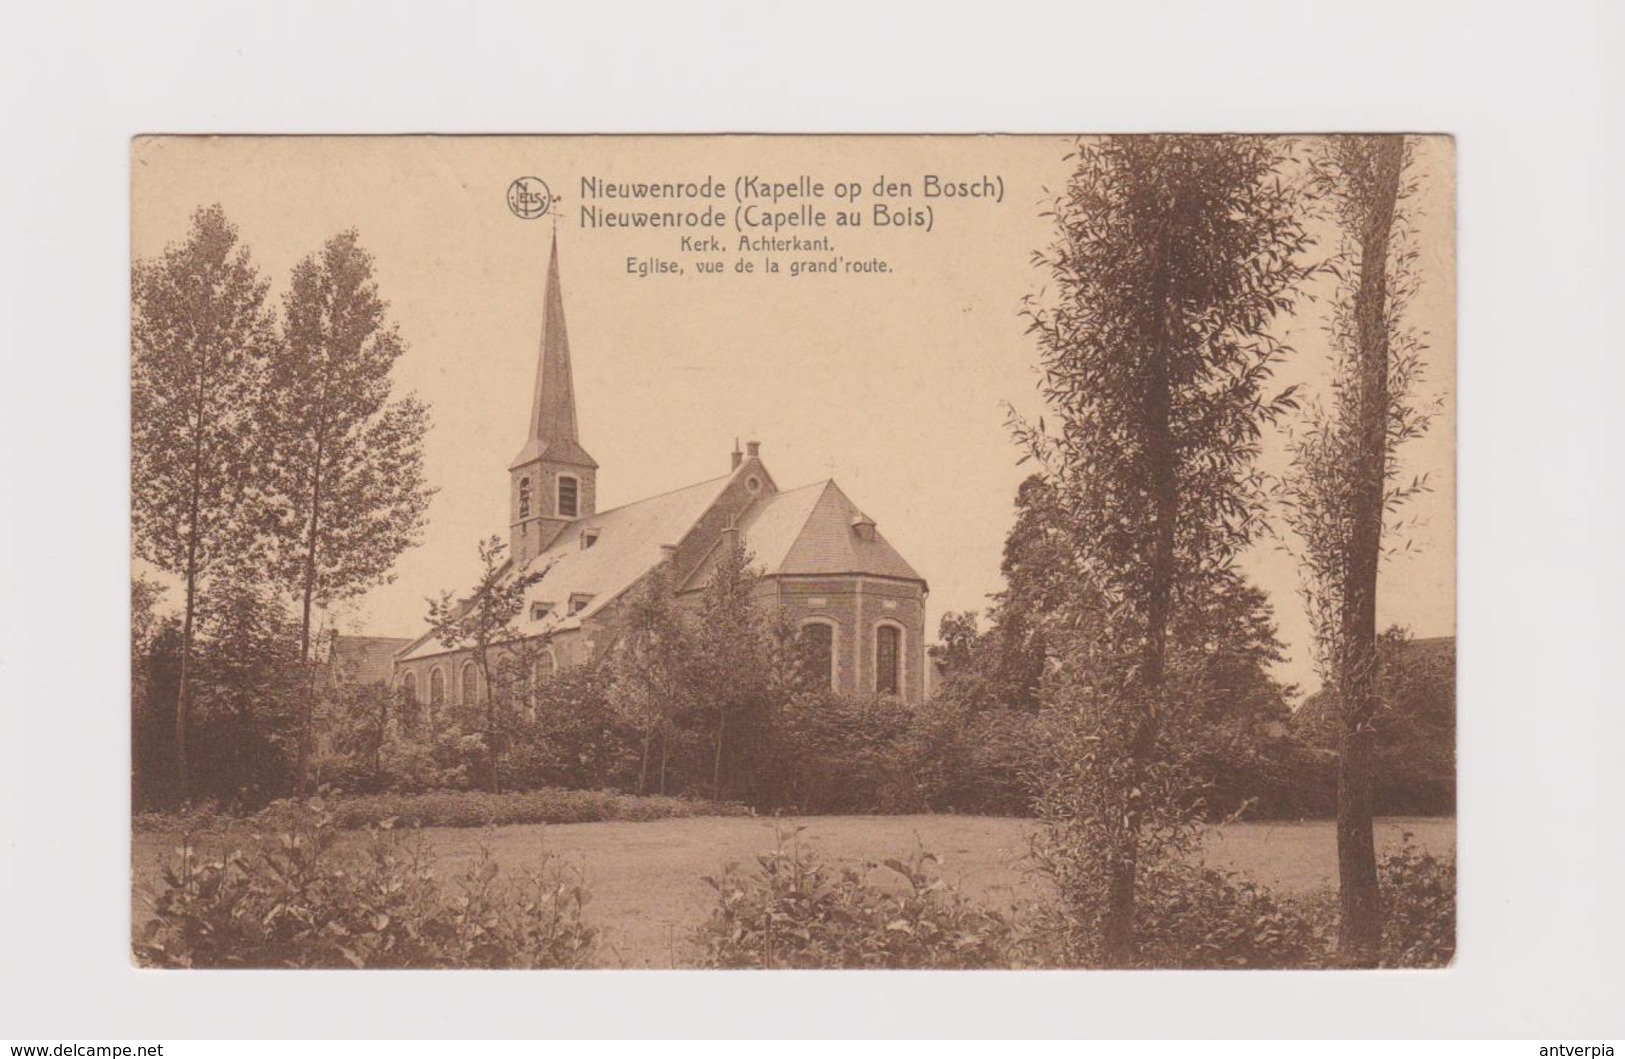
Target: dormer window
x=569, y=496
x=588, y=538
x=524, y=497
x=579, y=601
x=864, y=527
x=540, y=609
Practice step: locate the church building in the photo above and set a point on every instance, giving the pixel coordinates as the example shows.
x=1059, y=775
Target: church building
x=822, y=562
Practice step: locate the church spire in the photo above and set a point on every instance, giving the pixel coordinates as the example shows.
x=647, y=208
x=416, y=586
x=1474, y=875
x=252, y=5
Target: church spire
x=553, y=411
x=554, y=481
x=553, y=429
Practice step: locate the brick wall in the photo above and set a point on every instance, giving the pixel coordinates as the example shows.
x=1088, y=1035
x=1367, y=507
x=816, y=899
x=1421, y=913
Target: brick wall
x=856, y=606
x=529, y=540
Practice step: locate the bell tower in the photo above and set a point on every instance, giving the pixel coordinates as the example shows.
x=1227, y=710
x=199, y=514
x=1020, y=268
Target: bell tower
x=552, y=482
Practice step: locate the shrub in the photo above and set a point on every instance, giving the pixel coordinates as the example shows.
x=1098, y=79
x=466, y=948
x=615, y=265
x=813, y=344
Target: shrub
x=1414, y=772
x=1188, y=916
x=795, y=912
x=878, y=754
x=845, y=754
x=966, y=760
x=1266, y=780
x=297, y=900
x=574, y=738
x=1194, y=917
x=452, y=809
x=1419, y=902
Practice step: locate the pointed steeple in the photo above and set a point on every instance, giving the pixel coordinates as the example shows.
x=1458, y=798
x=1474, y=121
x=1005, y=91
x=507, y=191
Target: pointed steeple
x=553, y=429
x=553, y=480
x=553, y=412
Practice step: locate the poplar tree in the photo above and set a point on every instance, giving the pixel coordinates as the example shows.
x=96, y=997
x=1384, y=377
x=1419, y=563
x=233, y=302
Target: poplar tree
x=346, y=493
x=201, y=335
x=1344, y=482
x=1172, y=258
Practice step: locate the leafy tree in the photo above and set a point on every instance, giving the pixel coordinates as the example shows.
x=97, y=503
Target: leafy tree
x=362, y=721
x=1004, y=666
x=145, y=595
x=1414, y=731
x=485, y=624
x=1039, y=556
x=1345, y=480
x=1173, y=257
x=650, y=671
x=201, y=335
x=250, y=691
x=346, y=493
x=152, y=639
x=734, y=673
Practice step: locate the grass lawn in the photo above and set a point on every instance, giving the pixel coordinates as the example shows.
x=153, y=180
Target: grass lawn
x=647, y=892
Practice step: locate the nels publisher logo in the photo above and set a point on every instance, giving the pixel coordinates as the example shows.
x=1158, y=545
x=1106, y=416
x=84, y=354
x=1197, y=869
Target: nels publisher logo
x=529, y=198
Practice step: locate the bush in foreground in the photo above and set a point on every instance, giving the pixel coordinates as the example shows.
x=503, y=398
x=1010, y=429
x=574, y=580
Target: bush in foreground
x=297, y=900
x=450, y=809
x=793, y=911
x=1419, y=901
x=1196, y=917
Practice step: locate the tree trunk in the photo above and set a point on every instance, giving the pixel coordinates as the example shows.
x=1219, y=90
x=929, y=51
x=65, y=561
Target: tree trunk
x=306, y=717
x=665, y=749
x=495, y=783
x=183, y=691
x=716, y=762
x=1359, y=936
x=378, y=744
x=1120, y=947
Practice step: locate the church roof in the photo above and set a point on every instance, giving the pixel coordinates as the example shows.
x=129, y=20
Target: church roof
x=813, y=531
x=629, y=544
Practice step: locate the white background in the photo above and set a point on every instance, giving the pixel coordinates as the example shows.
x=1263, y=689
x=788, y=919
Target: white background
x=1531, y=91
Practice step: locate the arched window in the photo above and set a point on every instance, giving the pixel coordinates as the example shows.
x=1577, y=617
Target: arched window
x=409, y=688
x=524, y=497
x=437, y=687
x=569, y=496
x=471, y=683
x=816, y=639
x=546, y=666
x=888, y=659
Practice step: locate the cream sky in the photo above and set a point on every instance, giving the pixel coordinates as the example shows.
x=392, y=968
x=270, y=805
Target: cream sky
x=893, y=384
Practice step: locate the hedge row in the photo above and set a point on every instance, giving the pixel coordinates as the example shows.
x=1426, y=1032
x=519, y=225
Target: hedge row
x=450, y=809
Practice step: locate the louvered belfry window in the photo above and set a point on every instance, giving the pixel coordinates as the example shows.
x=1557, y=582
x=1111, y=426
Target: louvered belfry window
x=568, y=489
x=888, y=653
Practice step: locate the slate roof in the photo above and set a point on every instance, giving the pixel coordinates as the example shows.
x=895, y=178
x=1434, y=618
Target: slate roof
x=809, y=531
x=629, y=545
x=812, y=531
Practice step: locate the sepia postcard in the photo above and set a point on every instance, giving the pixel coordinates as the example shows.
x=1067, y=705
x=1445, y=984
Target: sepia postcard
x=759, y=552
